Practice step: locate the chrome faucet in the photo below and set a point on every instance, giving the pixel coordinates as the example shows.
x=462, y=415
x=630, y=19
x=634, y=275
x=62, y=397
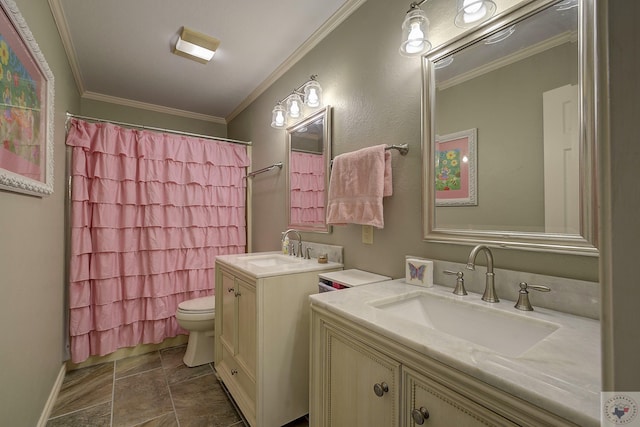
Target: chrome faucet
x=292, y=230
x=490, y=289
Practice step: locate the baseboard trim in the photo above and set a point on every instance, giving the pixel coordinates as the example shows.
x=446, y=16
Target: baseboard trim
x=51, y=401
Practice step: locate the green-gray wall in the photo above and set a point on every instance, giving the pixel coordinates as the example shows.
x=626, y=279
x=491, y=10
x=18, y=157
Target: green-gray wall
x=375, y=94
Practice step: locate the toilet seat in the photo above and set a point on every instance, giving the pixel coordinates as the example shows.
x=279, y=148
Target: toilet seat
x=198, y=305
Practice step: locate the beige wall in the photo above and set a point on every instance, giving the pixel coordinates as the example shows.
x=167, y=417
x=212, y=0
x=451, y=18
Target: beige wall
x=32, y=258
x=375, y=94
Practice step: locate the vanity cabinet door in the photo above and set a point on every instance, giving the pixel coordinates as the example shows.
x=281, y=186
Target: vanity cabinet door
x=246, y=348
x=227, y=312
x=427, y=402
x=363, y=384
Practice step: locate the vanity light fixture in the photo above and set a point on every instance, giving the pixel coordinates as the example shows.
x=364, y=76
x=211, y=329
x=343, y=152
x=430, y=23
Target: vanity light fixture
x=196, y=46
x=309, y=93
x=473, y=12
x=415, y=30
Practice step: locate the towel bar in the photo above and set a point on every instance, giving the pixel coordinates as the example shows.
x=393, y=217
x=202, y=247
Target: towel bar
x=267, y=169
x=402, y=148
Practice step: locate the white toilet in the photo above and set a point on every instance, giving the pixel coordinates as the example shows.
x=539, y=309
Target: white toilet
x=198, y=317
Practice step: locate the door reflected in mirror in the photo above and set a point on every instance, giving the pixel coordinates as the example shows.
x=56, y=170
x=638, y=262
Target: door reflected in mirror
x=518, y=88
x=309, y=147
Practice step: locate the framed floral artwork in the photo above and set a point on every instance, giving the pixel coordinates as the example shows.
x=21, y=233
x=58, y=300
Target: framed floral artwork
x=26, y=108
x=456, y=176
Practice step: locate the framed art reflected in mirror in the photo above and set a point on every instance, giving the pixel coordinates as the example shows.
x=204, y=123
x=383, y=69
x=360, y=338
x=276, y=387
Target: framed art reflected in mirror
x=455, y=169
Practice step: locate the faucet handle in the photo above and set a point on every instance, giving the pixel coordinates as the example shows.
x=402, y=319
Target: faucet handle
x=523, y=295
x=459, y=289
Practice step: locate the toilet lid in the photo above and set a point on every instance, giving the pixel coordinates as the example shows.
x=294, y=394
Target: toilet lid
x=199, y=304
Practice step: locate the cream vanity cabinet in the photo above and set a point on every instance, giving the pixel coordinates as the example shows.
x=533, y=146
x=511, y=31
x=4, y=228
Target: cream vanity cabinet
x=359, y=378
x=262, y=340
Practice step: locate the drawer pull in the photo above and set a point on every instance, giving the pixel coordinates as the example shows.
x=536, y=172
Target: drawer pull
x=234, y=371
x=420, y=415
x=380, y=389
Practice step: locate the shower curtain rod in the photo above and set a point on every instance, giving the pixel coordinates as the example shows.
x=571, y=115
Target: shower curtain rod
x=178, y=132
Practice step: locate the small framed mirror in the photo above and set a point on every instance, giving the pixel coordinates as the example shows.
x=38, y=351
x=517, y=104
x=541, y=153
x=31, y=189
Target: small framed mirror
x=308, y=163
x=508, y=127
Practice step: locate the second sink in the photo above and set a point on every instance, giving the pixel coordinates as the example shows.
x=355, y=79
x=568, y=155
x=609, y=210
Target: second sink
x=502, y=332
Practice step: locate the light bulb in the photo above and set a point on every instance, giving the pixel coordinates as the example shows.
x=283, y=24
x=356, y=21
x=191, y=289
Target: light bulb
x=294, y=110
x=474, y=13
x=415, y=39
x=312, y=98
x=294, y=106
x=279, y=118
x=472, y=6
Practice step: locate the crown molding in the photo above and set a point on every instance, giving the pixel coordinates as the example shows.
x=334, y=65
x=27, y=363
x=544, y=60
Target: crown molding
x=152, y=107
x=67, y=43
x=566, y=37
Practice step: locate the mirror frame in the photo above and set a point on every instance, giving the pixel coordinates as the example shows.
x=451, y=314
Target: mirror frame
x=326, y=152
x=587, y=241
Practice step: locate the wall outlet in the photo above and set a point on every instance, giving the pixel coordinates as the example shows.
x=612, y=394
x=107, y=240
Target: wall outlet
x=367, y=234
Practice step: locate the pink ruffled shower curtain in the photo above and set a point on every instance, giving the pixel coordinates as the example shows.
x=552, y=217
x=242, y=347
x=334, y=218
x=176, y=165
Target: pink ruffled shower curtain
x=150, y=213
x=307, y=188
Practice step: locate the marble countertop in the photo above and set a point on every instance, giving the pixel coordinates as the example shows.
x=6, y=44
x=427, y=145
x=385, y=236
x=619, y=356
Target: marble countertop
x=247, y=263
x=561, y=373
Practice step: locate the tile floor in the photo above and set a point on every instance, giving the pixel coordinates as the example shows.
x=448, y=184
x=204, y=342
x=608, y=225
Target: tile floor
x=151, y=390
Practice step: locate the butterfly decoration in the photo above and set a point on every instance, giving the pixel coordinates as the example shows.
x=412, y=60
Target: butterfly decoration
x=417, y=272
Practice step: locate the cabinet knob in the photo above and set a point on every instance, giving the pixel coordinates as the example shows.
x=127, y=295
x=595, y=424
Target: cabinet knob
x=238, y=294
x=380, y=389
x=231, y=290
x=234, y=371
x=420, y=415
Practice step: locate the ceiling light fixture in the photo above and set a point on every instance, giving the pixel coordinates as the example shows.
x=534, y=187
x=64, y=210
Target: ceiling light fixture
x=415, y=30
x=473, y=12
x=309, y=93
x=196, y=46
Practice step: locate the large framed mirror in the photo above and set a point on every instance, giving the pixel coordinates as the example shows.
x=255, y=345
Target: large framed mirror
x=308, y=163
x=508, y=128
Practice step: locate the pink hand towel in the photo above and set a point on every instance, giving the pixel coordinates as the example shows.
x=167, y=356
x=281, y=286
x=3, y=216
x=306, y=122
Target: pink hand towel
x=359, y=180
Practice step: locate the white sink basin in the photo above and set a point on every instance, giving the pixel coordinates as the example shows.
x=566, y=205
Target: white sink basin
x=270, y=260
x=501, y=331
